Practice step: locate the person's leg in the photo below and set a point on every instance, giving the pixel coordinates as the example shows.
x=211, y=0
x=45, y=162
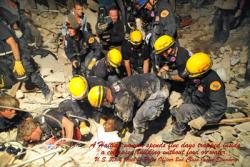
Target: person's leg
x=217, y=24
x=226, y=26
x=35, y=77
x=183, y=115
x=150, y=110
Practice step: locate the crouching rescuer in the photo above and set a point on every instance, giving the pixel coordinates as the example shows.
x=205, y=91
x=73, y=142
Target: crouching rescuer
x=142, y=95
x=204, y=98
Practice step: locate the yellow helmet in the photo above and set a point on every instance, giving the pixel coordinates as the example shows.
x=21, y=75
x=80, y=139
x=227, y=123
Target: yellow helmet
x=135, y=37
x=198, y=64
x=96, y=95
x=78, y=87
x=114, y=57
x=163, y=43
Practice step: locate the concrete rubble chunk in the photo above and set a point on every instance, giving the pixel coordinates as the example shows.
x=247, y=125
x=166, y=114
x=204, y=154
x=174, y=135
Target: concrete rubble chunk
x=245, y=162
x=227, y=134
x=244, y=127
x=238, y=93
x=55, y=77
x=245, y=140
x=215, y=137
x=234, y=60
x=241, y=103
x=244, y=55
x=19, y=94
x=234, y=115
x=223, y=74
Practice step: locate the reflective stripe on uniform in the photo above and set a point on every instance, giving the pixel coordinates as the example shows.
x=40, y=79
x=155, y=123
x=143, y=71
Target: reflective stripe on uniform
x=5, y=53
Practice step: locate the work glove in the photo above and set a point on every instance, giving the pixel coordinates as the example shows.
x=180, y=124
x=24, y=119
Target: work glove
x=163, y=72
x=91, y=64
x=164, y=75
x=75, y=63
x=84, y=129
x=18, y=68
x=197, y=123
x=238, y=13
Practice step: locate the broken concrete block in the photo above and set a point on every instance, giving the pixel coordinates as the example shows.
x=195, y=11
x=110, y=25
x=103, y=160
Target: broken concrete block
x=225, y=77
x=234, y=60
x=244, y=127
x=245, y=161
x=215, y=137
x=227, y=136
x=19, y=94
x=245, y=140
x=234, y=115
x=241, y=103
x=55, y=77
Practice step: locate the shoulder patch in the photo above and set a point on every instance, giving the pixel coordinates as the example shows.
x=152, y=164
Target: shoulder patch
x=215, y=85
x=91, y=40
x=164, y=13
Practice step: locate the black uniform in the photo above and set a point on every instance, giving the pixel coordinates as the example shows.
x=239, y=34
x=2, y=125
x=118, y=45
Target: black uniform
x=9, y=124
x=177, y=65
x=113, y=36
x=178, y=61
x=6, y=57
x=211, y=104
x=136, y=55
x=104, y=71
x=167, y=22
x=83, y=50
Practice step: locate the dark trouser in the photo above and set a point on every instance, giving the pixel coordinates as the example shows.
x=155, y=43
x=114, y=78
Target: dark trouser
x=149, y=110
x=222, y=21
x=183, y=115
x=7, y=79
x=31, y=69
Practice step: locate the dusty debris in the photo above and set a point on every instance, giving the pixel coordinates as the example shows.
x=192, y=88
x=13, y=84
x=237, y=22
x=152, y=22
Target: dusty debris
x=19, y=94
x=244, y=127
x=245, y=140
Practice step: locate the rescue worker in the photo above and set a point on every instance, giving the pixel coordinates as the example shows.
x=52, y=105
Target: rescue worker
x=111, y=32
x=50, y=124
x=142, y=95
x=164, y=17
x=10, y=118
x=172, y=61
x=78, y=17
x=78, y=104
x=204, y=98
x=82, y=49
x=227, y=16
x=136, y=54
x=22, y=64
x=108, y=67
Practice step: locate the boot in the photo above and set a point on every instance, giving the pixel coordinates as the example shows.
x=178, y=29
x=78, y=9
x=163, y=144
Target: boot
x=170, y=137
